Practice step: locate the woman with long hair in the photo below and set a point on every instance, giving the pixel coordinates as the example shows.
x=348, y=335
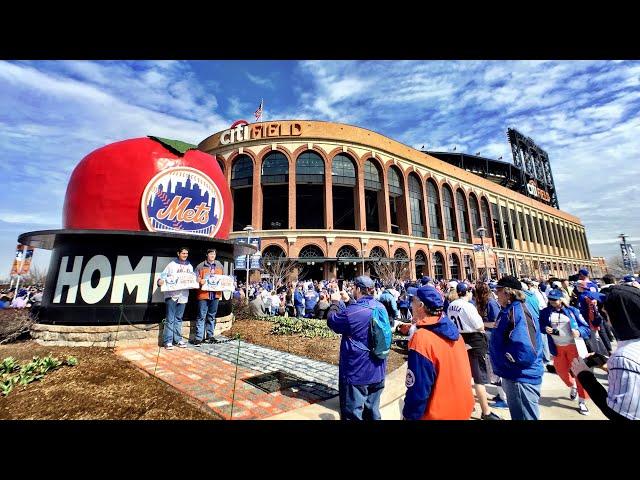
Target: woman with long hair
x=489, y=308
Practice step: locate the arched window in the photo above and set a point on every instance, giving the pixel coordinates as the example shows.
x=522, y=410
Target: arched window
x=310, y=201
x=272, y=251
x=401, y=254
x=454, y=266
x=275, y=191
x=345, y=195
x=438, y=265
x=373, y=195
x=435, y=217
x=396, y=193
x=462, y=217
x=377, y=252
x=347, y=251
x=275, y=169
x=474, y=209
x=343, y=171
x=416, y=206
x=242, y=191
x=486, y=222
x=449, y=214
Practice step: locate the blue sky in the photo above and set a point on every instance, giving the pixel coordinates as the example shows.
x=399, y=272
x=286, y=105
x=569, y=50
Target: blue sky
x=583, y=113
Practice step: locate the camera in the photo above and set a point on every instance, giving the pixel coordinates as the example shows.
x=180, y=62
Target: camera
x=595, y=360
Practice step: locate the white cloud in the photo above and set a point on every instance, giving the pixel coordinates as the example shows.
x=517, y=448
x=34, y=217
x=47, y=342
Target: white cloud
x=261, y=81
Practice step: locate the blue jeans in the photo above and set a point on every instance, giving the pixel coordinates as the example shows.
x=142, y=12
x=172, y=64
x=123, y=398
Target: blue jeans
x=523, y=399
x=360, y=402
x=173, y=327
x=208, y=309
x=299, y=310
x=546, y=354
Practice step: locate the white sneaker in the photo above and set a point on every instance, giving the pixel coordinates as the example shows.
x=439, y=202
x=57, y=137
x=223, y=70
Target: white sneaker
x=168, y=346
x=182, y=344
x=582, y=408
x=573, y=393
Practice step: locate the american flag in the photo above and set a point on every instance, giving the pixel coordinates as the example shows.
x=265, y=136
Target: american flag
x=258, y=112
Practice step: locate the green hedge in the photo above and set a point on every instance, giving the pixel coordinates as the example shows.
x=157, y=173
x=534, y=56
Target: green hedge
x=305, y=327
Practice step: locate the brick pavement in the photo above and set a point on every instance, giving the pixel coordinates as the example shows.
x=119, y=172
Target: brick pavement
x=207, y=374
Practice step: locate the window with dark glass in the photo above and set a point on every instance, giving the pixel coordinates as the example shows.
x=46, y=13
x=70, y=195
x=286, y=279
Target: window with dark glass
x=449, y=214
x=371, y=176
x=275, y=169
x=496, y=226
x=435, y=217
x=506, y=224
x=345, y=195
x=275, y=191
x=373, y=196
x=474, y=209
x=462, y=217
x=416, y=206
x=242, y=191
x=310, y=201
x=523, y=227
x=395, y=192
x=486, y=218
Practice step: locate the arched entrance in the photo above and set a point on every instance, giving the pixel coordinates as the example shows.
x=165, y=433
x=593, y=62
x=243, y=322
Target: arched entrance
x=438, y=266
x=311, y=263
x=347, y=263
x=421, y=264
x=454, y=266
x=469, y=273
x=375, y=255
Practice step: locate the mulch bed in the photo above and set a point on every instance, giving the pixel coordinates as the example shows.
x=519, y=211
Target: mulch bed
x=323, y=349
x=102, y=386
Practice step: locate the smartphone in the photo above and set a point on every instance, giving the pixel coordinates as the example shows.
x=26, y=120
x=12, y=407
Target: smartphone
x=596, y=360
x=340, y=283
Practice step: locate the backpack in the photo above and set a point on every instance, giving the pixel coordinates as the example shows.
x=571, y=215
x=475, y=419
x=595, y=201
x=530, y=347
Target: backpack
x=379, y=334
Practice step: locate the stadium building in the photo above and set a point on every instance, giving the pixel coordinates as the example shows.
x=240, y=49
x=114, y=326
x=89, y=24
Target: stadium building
x=339, y=198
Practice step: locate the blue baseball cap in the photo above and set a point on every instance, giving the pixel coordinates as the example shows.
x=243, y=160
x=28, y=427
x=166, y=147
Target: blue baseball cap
x=424, y=280
x=462, y=288
x=411, y=291
x=629, y=278
x=555, y=294
x=363, y=282
x=583, y=271
x=430, y=297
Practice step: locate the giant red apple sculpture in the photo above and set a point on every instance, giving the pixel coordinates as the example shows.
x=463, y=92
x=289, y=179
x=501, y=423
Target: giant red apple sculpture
x=149, y=184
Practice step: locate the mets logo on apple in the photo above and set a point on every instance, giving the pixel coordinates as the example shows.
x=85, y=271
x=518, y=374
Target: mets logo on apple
x=182, y=199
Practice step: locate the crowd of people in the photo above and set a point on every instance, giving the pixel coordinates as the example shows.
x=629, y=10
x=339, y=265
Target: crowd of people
x=501, y=332
x=29, y=296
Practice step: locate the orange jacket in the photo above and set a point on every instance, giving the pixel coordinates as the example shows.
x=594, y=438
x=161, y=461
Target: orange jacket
x=438, y=376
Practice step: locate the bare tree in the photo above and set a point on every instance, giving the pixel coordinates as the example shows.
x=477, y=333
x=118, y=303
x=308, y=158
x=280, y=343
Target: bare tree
x=37, y=275
x=391, y=271
x=279, y=269
x=616, y=267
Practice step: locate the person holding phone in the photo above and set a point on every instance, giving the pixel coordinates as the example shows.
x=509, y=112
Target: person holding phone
x=565, y=329
x=622, y=400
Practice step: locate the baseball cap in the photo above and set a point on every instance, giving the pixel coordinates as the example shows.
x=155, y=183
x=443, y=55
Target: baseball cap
x=557, y=284
x=363, y=282
x=462, y=289
x=411, y=291
x=452, y=284
x=629, y=278
x=510, y=282
x=583, y=271
x=555, y=294
x=430, y=297
x=424, y=280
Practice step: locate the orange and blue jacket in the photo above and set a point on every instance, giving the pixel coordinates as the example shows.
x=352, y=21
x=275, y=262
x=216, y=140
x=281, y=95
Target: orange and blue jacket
x=438, y=375
x=204, y=269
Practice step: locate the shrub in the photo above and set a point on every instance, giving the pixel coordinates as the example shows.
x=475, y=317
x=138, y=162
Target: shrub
x=305, y=327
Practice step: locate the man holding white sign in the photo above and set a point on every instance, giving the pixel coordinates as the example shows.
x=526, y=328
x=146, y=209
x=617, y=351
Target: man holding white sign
x=209, y=274
x=175, y=281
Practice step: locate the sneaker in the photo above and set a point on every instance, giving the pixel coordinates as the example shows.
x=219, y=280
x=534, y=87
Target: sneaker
x=182, y=344
x=582, y=408
x=196, y=343
x=551, y=368
x=168, y=346
x=211, y=340
x=573, y=393
x=490, y=416
x=499, y=404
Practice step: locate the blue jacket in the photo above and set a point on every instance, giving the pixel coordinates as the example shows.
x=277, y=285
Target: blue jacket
x=575, y=319
x=357, y=366
x=298, y=298
x=389, y=301
x=310, y=299
x=515, y=347
x=493, y=310
x=584, y=299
